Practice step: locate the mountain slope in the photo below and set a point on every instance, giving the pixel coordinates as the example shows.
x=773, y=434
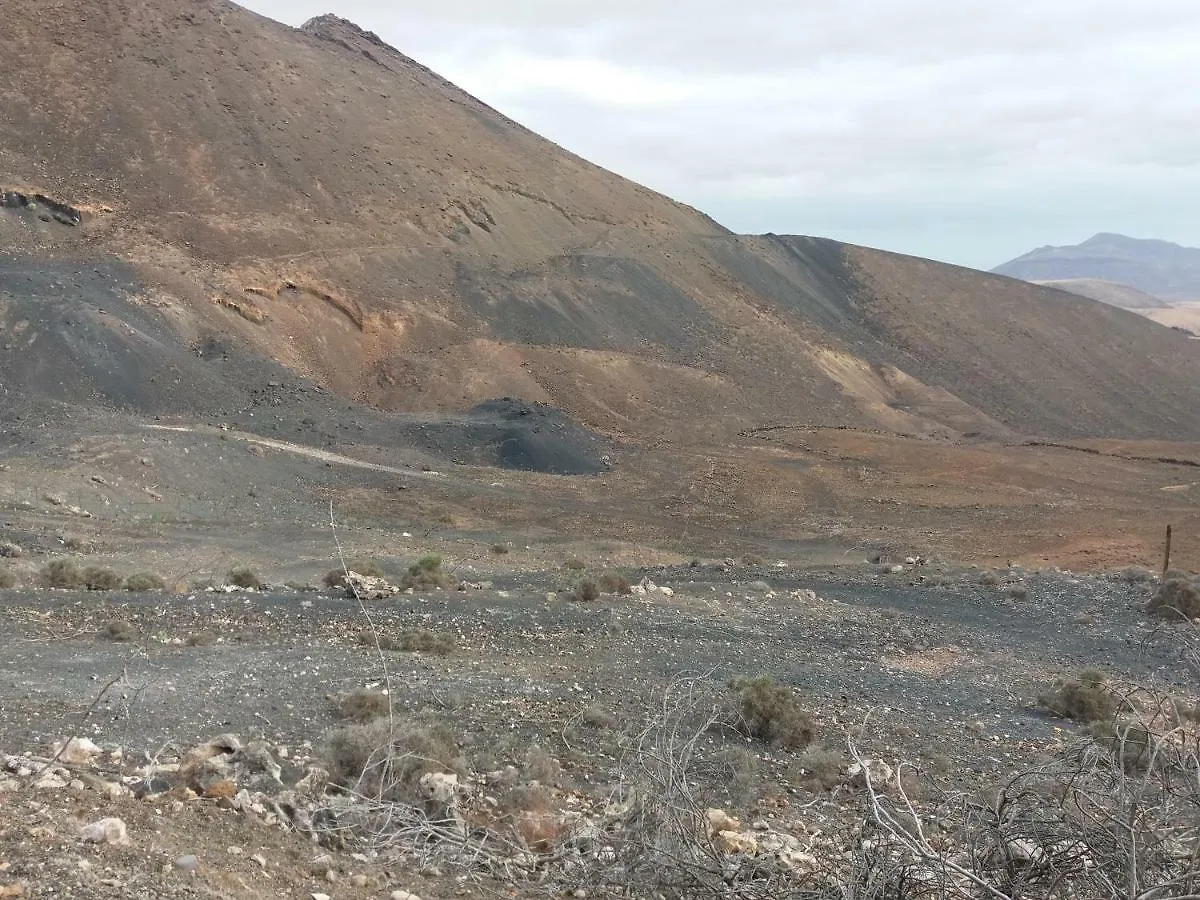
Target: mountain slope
x=1121, y=295
x=1160, y=268
x=320, y=199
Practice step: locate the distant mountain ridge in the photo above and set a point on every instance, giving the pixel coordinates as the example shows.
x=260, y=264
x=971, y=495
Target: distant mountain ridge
x=1166, y=270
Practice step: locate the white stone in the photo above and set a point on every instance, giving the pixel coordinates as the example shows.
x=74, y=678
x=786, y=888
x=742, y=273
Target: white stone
x=105, y=831
x=79, y=751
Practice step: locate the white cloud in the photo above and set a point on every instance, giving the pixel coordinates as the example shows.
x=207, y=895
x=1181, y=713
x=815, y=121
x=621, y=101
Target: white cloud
x=957, y=129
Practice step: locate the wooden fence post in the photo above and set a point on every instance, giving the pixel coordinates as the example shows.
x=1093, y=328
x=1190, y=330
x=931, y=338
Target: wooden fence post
x=1167, y=553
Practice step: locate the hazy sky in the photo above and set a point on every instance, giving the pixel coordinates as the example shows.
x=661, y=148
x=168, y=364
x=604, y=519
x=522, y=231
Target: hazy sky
x=964, y=130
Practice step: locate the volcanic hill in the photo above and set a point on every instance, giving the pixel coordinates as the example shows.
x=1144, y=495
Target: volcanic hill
x=212, y=217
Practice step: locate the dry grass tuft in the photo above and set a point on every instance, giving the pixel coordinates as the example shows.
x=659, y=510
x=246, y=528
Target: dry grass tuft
x=8, y=579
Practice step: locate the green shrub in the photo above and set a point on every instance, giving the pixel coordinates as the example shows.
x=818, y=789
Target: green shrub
x=144, y=581
x=575, y=564
x=500, y=549
x=771, y=713
x=61, y=573
x=244, y=577
x=1086, y=700
x=1176, y=598
x=8, y=579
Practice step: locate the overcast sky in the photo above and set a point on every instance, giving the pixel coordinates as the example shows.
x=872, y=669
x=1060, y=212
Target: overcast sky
x=963, y=130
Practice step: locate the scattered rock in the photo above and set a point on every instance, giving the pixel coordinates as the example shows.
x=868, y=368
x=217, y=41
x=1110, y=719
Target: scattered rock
x=105, y=831
x=367, y=588
x=79, y=751
x=187, y=863
x=404, y=895
x=879, y=772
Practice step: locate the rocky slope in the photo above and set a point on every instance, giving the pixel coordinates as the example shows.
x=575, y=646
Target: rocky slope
x=313, y=199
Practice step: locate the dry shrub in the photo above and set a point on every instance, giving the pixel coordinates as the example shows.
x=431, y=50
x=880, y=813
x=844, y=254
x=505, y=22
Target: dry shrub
x=541, y=766
x=411, y=640
x=612, y=583
x=1086, y=700
x=364, y=705
x=822, y=767
x=598, y=717
x=500, y=549
x=203, y=638
x=8, y=579
x=120, y=631
x=98, y=578
x=425, y=640
x=741, y=771
x=244, y=577
x=1176, y=598
x=386, y=760
x=10, y=550
x=771, y=713
x=575, y=564
x=144, y=581
x=989, y=579
x=586, y=592
x=1136, y=575
x=753, y=559
x=61, y=573
x=426, y=574
x=1017, y=592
